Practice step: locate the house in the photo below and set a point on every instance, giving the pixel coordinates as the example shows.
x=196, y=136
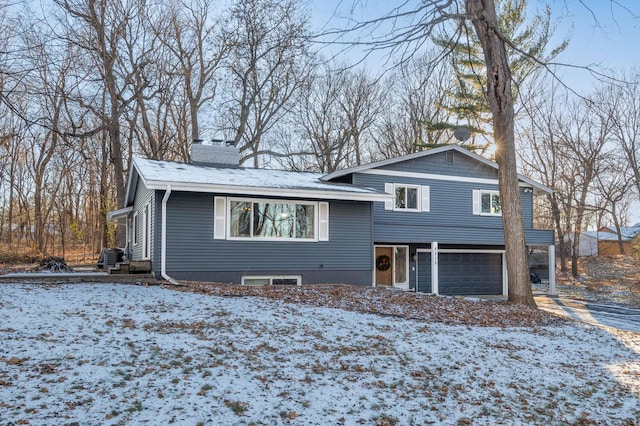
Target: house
x=429, y=222
x=605, y=241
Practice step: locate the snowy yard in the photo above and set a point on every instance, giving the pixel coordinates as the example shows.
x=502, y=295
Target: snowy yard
x=122, y=354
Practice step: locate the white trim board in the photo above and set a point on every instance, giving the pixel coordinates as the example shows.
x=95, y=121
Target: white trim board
x=431, y=176
x=267, y=192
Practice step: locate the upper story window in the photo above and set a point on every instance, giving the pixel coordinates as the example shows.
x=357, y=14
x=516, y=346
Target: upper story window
x=240, y=218
x=486, y=203
x=407, y=198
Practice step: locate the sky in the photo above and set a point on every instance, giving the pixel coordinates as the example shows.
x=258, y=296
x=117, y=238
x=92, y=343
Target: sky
x=603, y=35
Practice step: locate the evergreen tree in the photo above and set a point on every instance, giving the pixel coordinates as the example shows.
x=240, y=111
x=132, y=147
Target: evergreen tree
x=527, y=43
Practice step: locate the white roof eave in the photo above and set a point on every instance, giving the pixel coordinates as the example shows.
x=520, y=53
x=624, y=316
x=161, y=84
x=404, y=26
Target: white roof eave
x=270, y=192
x=115, y=214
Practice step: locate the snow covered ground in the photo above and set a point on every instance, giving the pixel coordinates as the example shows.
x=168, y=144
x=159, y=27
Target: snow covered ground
x=123, y=354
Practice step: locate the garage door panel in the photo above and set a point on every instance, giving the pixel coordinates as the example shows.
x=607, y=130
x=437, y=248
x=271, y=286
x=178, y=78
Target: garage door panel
x=470, y=273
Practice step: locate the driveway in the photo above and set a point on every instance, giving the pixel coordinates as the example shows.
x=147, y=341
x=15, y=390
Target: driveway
x=618, y=317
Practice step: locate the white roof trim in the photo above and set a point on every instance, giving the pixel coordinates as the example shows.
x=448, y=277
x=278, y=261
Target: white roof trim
x=430, y=176
x=367, y=167
x=271, y=192
x=115, y=214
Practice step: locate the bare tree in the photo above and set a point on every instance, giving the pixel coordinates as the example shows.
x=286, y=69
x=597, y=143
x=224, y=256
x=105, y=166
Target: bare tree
x=361, y=103
x=97, y=29
x=623, y=104
x=541, y=153
x=196, y=42
x=613, y=188
x=320, y=126
x=411, y=25
x=266, y=65
x=583, y=133
x=415, y=110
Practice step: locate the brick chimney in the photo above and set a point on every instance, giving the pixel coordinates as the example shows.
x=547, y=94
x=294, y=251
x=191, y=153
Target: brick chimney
x=219, y=154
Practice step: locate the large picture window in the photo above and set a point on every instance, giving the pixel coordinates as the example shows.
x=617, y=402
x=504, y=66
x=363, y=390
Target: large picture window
x=272, y=219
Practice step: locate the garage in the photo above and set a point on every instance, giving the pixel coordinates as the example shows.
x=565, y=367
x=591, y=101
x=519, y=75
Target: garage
x=461, y=273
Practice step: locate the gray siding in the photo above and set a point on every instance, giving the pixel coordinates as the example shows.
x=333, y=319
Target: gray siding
x=192, y=252
x=143, y=197
x=450, y=219
x=435, y=164
x=423, y=267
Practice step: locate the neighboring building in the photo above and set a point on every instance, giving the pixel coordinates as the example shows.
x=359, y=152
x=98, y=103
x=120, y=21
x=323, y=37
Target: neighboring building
x=605, y=241
x=429, y=221
x=588, y=244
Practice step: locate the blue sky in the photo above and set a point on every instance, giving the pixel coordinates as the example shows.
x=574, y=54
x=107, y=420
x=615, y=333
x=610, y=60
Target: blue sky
x=605, y=33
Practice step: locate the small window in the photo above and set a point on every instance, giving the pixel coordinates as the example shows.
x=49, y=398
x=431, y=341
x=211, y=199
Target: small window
x=486, y=203
x=272, y=280
x=448, y=158
x=490, y=203
x=406, y=197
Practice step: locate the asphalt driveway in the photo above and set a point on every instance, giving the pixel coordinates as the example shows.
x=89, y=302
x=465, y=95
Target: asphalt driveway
x=618, y=317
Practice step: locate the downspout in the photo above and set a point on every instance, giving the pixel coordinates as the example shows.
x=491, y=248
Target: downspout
x=163, y=239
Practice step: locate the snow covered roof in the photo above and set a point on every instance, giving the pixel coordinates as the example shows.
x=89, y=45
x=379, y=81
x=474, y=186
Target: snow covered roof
x=156, y=174
x=608, y=236
x=344, y=172
x=628, y=232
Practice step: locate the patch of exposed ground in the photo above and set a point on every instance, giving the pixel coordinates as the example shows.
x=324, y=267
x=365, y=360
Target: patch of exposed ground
x=391, y=302
x=603, y=279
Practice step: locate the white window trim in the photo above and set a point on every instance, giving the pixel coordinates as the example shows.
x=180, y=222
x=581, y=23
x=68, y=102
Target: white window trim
x=136, y=223
x=423, y=197
x=316, y=219
x=407, y=186
x=477, y=202
x=298, y=278
x=146, y=231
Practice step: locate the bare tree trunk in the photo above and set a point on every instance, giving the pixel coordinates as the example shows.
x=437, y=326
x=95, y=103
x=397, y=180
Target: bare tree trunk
x=500, y=96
